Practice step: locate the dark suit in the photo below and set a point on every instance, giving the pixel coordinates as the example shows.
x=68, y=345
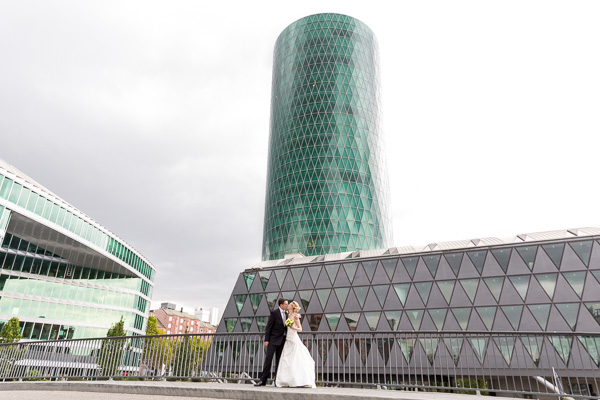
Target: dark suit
x=275, y=335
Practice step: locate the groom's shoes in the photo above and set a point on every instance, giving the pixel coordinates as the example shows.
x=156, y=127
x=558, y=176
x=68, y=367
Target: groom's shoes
x=261, y=383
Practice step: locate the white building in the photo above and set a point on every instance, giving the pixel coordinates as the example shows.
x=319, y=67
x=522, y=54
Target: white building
x=211, y=316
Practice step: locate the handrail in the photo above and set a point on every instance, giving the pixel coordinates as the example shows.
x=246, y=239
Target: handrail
x=465, y=362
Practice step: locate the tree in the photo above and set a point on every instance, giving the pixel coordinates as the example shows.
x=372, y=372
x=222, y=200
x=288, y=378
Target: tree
x=11, y=331
x=10, y=354
x=117, y=329
x=188, y=355
x=111, y=352
x=152, y=328
x=157, y=350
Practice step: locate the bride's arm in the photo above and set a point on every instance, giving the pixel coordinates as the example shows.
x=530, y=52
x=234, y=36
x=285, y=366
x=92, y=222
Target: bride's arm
x=297, y=325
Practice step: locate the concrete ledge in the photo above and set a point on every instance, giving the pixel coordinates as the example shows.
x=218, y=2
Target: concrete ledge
x=226, y=391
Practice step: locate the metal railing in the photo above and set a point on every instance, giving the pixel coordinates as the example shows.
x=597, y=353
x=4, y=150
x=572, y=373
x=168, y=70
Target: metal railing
x=533, y=363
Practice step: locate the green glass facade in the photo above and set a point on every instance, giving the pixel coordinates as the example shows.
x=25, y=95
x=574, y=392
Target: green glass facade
x=326, y=186
x=61, y=273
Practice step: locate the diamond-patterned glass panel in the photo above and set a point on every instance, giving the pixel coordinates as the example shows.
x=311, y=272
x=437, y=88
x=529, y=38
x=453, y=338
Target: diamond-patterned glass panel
x=576, y=280
x=430, y=347
x=370, y=269
x=381, y=293
x=332, y=272
x=432, y=263
x=372, y=319
x=271, y=300
x=410, y=263
x=255, y=301
x=540, y=312
x=333, y=320
x=470, y=286
x=342, y=295
x=424, y=288
x=393, y=318
x=326, y=187
x=478, y=259
x=454, y=346
x=390, y=267
x=548, y=282
x=454, y=259
x=521, y=284
x=239, y=301
x=402, y=291
x=261, y=322
x=446, y=287
x=528, y=255
x=438, y=316
x=594, y=309
x=230, y=324
x=506, y=345
x=352, y=320
x=569, y=311
x=415, y=317
x=513, y=314
x=533, y=345
x=305, y=296
x=361, y=294
x=487, y=315
x=249, y=278
x=502, y=256
x=479, y=347
x=495, y=286
x=246, y=322
x=555, y=252
x=462, y=316
x=264, y=278
x=583, y=250
x=407, y=347
x=562, y=345
x=592, y=345
x=350, y=269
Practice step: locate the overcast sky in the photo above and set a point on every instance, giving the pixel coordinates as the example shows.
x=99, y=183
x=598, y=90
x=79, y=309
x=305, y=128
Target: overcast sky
x=153, y=118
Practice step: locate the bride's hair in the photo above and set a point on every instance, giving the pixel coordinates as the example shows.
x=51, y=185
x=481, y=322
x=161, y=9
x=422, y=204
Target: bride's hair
x=295, y=306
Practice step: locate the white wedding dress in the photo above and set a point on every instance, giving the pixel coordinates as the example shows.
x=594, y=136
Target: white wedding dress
x=296, y=367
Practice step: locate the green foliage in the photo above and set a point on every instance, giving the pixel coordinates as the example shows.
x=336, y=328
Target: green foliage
x=158, y=350
x=11, y=331
x=472, y=384
x=111, y=353
x=152, y=328
x=117, y=329
x=34, y=375
x=188, y=354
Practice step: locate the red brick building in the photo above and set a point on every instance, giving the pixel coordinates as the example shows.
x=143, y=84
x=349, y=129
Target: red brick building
x=179, y=322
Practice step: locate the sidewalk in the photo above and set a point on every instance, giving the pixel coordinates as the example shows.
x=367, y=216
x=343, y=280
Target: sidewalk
x=230, y=391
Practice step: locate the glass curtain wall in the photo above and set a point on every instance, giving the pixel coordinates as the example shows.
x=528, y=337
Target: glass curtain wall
x=326, y=186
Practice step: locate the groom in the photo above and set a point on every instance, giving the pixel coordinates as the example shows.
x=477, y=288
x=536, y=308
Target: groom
x=274, y=339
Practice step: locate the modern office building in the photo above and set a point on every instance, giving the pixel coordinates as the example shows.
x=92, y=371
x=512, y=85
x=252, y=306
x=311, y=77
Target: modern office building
x=546, y=282
x=63, y=274
x=327, y=191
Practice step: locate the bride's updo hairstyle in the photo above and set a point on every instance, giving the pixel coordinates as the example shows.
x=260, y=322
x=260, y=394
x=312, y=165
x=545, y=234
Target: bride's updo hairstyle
x=295, y=306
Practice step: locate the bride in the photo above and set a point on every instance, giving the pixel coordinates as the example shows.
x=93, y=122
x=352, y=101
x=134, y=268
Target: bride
x=296, y=367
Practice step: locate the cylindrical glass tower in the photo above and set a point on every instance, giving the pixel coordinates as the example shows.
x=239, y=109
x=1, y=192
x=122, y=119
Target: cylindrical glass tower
x=327, y=191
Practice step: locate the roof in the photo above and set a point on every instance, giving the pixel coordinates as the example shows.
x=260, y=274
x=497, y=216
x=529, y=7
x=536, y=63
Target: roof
x=176, y=313
x=12, y=170
x=434, y=247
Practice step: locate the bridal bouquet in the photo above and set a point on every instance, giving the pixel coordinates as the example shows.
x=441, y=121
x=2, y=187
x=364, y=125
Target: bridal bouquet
x=289, y=322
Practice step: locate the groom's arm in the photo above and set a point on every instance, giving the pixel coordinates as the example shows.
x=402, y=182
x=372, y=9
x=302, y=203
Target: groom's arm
x=269, y=328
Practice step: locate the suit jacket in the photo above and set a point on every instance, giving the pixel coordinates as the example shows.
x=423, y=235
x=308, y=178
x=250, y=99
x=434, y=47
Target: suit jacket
x=276, y=329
